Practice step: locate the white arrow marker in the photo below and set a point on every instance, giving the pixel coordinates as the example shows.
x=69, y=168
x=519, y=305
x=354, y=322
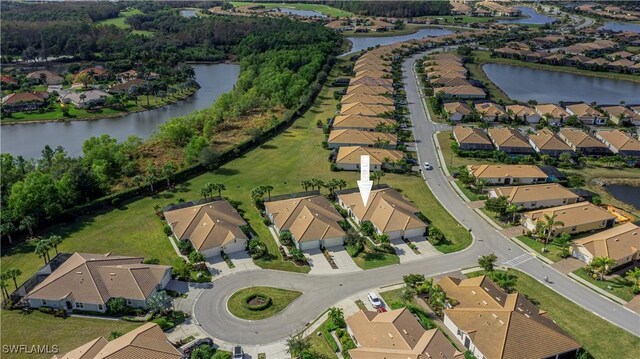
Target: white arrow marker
x=365, y=183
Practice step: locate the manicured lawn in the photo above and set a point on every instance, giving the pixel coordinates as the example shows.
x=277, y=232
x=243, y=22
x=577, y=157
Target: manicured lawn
x=319, y=345
x=325, y=9
x=369, y=259
x=44, y=329
x=553, y=252
x=452, y=160
x=620, y=286
x=497, y=219
x=119, y=21
x=393, y=296
x=280, y=299
x=601, y=338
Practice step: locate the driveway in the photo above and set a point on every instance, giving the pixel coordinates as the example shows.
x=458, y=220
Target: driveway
x=403, y=251
x=343, y=260
x=425, y=248
x=242, y=261
x=318, y=263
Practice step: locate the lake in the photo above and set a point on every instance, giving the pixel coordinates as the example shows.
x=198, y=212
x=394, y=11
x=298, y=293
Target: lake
x=28, y=139
x=533, y=17
x=365, y=42
x=307, y=13
x=621, y=26
x=523, y=84
x=624, y=193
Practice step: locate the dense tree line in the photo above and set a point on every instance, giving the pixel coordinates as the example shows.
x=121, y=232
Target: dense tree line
x=394, y=8
x=55, y=11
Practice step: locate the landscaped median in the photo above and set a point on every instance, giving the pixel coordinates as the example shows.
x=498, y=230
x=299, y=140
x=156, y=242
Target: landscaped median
x=256, y=303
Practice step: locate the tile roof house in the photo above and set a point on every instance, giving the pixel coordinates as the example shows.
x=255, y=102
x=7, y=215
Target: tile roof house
x=146, y=341
x=87, y=281
x=91, y=98
x=97, y=73
x=587, y=114
x=621, y=243
x=388, y=210
x=536, y=195
x=48, y=77
x=365, y=109
x=348, y=158
x=471, y=138
x=126, y=86
x=8, y=80
x=312, y=220
x=371, y=81
x=493, y=324
x=367, y=90
x=525, y=113
x=24, y=101
x=491, y=112
x=352, y=137
x=367, y=99
x=620, y=142
x=577, y=218
x=583, y=142
x=509, y=140
x=461, y=92
x=508, y=174
x=619, y=114
x=396, y=334
x=360, y=122
x=210, y=227
x=548, y=143
x=553, y=111
x=458, y=111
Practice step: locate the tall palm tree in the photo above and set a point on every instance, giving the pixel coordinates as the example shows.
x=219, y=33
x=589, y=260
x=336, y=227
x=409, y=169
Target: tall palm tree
x=376, y=176
x=204, y=192
x=546, y=227
x=341, y=184
x=55, y=241
x=42, y=249
x=634, y=275
x=14, y=273
x=28, y=223
x=336, y=315
x=504, y=280
x=305, y=184
x=513, y=209
x=437, y=298
x=268, y=188
x=602, y=265
x=331, y=185
x=4, y=285
x=219, y=187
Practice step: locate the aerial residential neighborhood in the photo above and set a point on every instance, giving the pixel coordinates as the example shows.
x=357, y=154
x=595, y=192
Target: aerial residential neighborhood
x=454, y=179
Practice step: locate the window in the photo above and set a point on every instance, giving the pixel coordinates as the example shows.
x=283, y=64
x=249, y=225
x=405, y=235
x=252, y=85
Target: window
x=44, y=302
x=79, y=305
x=129, y=301
x=100, y=307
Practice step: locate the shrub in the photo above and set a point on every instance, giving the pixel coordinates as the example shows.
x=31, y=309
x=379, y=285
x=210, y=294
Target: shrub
x=367, y=228
x=117, y=306
x=167, y=229
x=330, y=340
x=258, y=307
x=221, y=355
x=164, y=323
x=152, y=260
x=60, y=313
x=196, y=257
x=267, y=222
x=355, y=249
x=185, y=247
x=45, y=310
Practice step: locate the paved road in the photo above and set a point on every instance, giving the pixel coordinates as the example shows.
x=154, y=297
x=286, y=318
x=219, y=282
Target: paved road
x=323, y=291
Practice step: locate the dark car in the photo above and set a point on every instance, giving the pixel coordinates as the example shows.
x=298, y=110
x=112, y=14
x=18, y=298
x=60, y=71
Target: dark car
x=237, y=352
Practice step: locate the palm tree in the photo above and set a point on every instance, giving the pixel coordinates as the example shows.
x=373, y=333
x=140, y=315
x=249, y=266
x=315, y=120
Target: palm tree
x=376, y=176
x=487, y=262
x=28, y=223
x=437, y=298
x=315, y=182
x=14, y=273
x=296, y=345
x=42, y=249
x=167, y=171
x=55, y=241
x=482, y=183
x=305, y=184
x=7, y=228
x=341, y=183
x=634, y=275
x=268, y=189
x=546, y=228
x=204, y=192
x=504, y=280
x=219, y=187
x=336, y=315
x=602, y=265
x=513, y=209
x=331, y=185
x=407, y=294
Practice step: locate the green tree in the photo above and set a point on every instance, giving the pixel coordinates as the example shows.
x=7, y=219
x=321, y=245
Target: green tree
x=504, y=280
x=268, y=189
x=55, y=242
x=487, y=262
x=296, y=345
x=437, y=299
x=7, y=229
x=513, y=209
x=407, y=294
x=546, y=227
x=3, y=287
x=337, y=316
x=634, y=276
x=376, y=176
x=13, y=273
x=602, y=266
x=42, y=250
x=562, y=241
x=219, y=187
x=28, y=223
x=168, y=170
x=160, y=302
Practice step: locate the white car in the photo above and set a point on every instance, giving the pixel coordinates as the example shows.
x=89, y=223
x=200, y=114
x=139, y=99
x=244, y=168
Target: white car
x=375, y=300
x=427, y=166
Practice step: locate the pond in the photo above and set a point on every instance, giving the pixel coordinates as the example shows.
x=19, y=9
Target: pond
x=28, y=139
x=363, y=43
x=532, y=17
x=621, y=26
x=189, y=13
x=306, y=13
x=523, y=84
x=625, y=193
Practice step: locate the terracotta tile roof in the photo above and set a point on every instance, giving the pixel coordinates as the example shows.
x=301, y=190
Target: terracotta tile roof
x=583, y=110
x=387, y=209
x=372, y=73
x=358, y=137
x=617, y=111
x=552, y=109
x=307, y=218
x=616, y=243
x=503, y=325
x=620, y=140
x=580, y=138
x=95, y=278
x=458, y=107
x=145, y=342
x=545, y=139
x=396, y=334
x=367, y=99
x=8, y=80
x=358, y=108
x=520, y=110
x=450, y=81
x=508, y=137
x=371, y=81
x=572, y=214
x=19, y=97
x=490, y=109
x=50, y=77
x=208, y=225
x=622, y=63
x=366, y=89
x=351, y=155
x=500, y=171
x=360, y=121
x=470, y=135
x=536, y=192
x=464, y=90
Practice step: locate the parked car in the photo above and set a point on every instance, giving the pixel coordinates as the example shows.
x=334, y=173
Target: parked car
x=189, y=347
x=375, y=300
x=427, y=166
x=237, y=352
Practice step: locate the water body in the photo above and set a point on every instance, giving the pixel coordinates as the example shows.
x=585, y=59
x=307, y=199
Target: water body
x=624, y=193
x=621, y=26
x=188, y=13
x=28, y=139
x=533, y=17
x=523, y=84
x=307, y=13
x=363, y=43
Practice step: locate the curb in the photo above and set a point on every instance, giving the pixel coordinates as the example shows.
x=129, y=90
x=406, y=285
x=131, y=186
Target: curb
x=596, y=289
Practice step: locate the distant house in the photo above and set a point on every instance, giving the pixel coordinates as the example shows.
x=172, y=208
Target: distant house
x=8, y=80
x=587, y=114
x=621, y=243
x=126, y=86
x=312, y=220
x=24, y=101
x=85, y=99
x=508, y=174
x=619, y=115
x=348, y=158
x=396, y=334
x=388, y=210
x=46, y=77
x=460, y=92
x=525, y=113
x=583, y=142
x=471, y=138
x=548, y=143
x=146, y=341
x=87, y=282
x=352, y=137
x=97, y=73
x=491, y=112
x=367, y=99
x=536, y=195
x=493, y=324
x=509, y=140
x=365, y=109
x=371, y=81
x=620, y=142
x=367, y=90
x=552, y=111
x=577, y=218
x=360, y=122
x=458, y=111
x=211, y=227
x=125, y=76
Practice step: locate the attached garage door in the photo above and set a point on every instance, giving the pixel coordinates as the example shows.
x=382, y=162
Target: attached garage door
x=212, y=252
x=333, y=242
x=237, y=246
x=395, y=235
x=309, y=245
x=412, y=233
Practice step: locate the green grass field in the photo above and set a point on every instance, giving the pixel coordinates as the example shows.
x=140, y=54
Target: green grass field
x=619, y=286
x=44, y=329
x=119, y=21
x=319, y=344
x=280, y=299
x=325, y=9
x=553, y=252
